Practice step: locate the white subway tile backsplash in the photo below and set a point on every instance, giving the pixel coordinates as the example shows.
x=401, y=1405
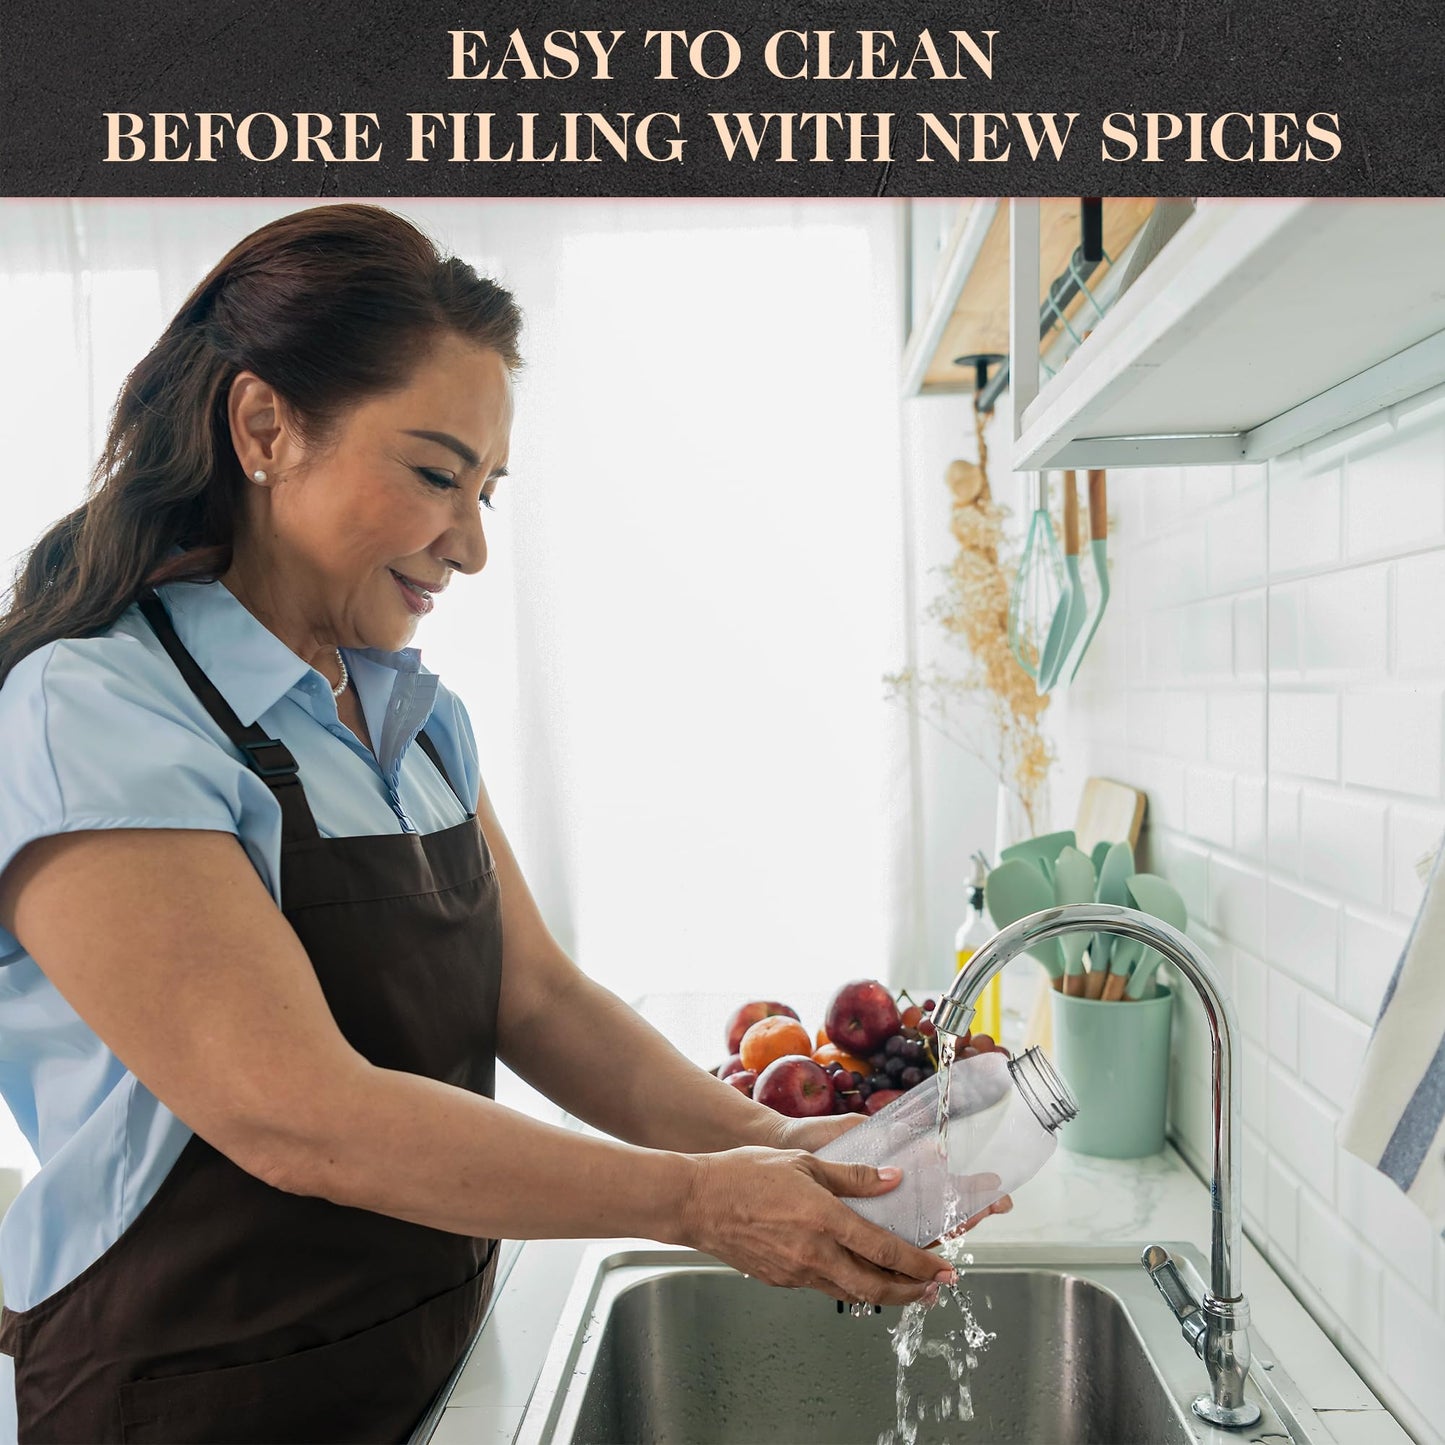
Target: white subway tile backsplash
x=1304, y=734
x=1250, y=637
x=1412, y=1347
x=1206, y=640
x=1331, y=1048
x=1283, y=805
x=1186, y=724
x=1393, y=740
x=1347, y=1277
x=1371, y=1204
x=1163, y=496
x=1372, y=948
x=1342, y=844
x=1395, y=495
x=1304, y=520
x=1344, y=625
x=1303, y=936
x=1284, y=1021
x=1254, y=1106
x=1250, y=838
x=1282, y=1218
x=1284, y=608
x=1209, y=805
x=1302, y=1132
x=1279, y=692
x=1414, y=831
x=1237, y=729
x=1419, y=625
x=1254, y=1189
x=1236, y=903
x=1236, y=530
x=1250, y=995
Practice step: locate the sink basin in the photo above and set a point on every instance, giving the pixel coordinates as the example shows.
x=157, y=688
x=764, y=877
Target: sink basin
x=668, y=1345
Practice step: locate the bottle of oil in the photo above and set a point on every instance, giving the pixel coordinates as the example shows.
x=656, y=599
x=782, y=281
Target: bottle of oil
x=973, y=933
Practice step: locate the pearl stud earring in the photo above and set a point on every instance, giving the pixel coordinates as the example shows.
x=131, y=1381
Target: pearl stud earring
x=259, y=475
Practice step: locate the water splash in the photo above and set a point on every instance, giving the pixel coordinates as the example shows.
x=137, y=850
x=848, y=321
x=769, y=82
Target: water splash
x=958, y=1345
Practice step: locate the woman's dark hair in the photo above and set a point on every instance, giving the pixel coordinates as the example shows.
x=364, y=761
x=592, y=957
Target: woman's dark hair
x=330, y=306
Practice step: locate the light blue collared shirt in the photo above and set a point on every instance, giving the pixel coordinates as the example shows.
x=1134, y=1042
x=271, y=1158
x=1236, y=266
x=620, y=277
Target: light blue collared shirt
x=103, y=732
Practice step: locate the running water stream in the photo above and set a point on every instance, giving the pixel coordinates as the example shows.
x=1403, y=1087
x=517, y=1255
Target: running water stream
x=959, y=1344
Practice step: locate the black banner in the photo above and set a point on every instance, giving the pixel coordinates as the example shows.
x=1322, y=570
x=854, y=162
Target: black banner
x=994, y=97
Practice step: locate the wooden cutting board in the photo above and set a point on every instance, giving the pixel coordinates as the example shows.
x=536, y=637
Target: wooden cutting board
x=1109, y=812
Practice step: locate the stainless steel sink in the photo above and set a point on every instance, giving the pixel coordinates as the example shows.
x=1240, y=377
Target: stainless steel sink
x=667, y=1345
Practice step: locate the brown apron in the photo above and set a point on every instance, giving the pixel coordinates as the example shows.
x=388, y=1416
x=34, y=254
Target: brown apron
x=230, y=1310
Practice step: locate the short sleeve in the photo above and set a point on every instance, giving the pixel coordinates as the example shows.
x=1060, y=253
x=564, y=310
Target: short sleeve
x=451, y=729
x=94, y=734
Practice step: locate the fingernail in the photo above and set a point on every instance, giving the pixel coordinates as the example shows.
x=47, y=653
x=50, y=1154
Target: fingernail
x=889, y=1172
x=930, y=1295
x=947, y=1276
x=1004, y=1205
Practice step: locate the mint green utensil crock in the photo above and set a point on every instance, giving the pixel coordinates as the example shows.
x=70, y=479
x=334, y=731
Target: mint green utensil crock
x=1115, y=1059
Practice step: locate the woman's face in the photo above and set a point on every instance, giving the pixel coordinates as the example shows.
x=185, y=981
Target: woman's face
x=397, y=489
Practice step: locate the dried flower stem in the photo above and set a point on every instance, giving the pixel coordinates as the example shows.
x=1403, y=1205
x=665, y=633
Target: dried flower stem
x=973, y=612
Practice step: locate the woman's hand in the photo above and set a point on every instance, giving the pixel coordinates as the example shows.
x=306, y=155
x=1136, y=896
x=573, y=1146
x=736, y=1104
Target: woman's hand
x=775, y=1214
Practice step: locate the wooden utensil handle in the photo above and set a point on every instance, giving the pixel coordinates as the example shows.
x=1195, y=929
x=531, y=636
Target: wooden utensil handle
x=1098, y=507
x=1071, y=515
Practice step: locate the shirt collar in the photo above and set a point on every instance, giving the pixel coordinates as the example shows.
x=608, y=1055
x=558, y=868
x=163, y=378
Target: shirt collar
x=250, y=666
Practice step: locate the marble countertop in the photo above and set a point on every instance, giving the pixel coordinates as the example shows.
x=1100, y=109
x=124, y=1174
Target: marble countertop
x=1074, y=1199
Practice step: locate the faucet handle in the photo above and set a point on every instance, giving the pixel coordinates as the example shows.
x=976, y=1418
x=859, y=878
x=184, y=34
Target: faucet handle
x=1177, y=1295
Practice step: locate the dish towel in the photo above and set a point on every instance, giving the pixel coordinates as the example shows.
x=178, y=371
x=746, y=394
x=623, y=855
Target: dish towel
x=1397, y=1119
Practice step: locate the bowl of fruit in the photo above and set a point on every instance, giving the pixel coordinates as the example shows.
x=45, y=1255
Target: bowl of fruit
x=872, y=1046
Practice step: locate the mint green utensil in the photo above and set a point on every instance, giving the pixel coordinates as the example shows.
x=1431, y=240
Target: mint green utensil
x=1012, y=891
x=1073, y=883
x=1114, y=874
x=1072, y=609
x=1034, y=595
x=1101, y=849
x=1159, y=897
x=1099, y=546
x=1040, y=851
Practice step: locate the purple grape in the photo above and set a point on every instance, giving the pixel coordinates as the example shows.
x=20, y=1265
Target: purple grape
x=878, y=1060
x=895, y=1067
x=913, y=1053
x=894, y=1045
x=878, y=1081
x=911, y=1077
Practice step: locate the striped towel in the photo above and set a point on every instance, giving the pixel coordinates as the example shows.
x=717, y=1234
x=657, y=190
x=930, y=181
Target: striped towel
x=1396, y=1122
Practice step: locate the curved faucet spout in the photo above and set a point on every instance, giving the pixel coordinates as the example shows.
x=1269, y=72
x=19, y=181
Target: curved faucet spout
x=1226, y=1351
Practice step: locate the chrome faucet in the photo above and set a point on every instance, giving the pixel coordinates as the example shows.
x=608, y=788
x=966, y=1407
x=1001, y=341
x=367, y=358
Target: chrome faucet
x=1216, y=1326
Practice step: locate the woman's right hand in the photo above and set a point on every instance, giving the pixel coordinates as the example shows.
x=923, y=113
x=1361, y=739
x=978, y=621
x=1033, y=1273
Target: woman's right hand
x=775, y=1214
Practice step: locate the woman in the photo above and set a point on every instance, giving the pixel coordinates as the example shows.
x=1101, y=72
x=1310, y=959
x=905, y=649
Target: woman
x=260, y=952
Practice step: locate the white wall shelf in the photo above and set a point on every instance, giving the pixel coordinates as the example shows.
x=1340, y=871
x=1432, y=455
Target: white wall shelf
x=1262, y=325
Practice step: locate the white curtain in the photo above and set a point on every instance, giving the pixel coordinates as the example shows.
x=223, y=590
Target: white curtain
x=699, y=571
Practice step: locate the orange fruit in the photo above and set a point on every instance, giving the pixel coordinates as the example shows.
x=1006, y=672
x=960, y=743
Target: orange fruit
x=770, y=1039
x=823, y=1038
x=832, y=1054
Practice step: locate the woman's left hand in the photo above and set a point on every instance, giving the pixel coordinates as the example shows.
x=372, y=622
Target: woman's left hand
x=812, y=1134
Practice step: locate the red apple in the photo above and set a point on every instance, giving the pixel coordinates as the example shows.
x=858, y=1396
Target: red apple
x=730, y=1066
x=861, y=1015
x=748, y=1015
x=743, y=1081
x=880, y=1097
x=796, y=1086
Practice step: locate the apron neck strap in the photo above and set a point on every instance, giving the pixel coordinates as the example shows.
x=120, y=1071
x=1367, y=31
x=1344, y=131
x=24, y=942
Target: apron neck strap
x=267, y=757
